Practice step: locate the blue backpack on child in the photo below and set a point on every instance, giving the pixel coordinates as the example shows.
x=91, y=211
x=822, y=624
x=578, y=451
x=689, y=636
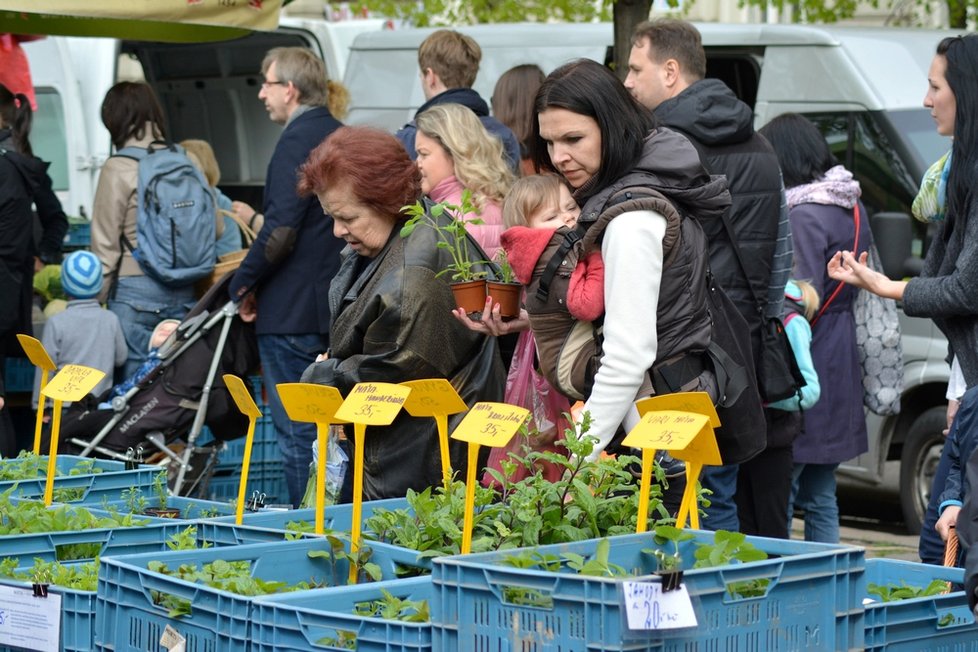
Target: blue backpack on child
x=175, y=225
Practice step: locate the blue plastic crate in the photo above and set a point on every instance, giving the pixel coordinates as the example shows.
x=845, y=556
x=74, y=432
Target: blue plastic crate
x=266, y=477
x=18, y=375
x=79, y=235
x=78, y=607
x=191, y=509
x=335, y=517
x=264, y=448
x=110, y=481
x=810, y=601
x=315, y=619
x=941, y=622
x=128, y=619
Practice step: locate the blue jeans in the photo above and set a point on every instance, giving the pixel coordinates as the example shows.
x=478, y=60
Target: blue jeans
x=931, y=546
x=722, y=512
x=813, y=490
x=283, y=359
x=141, y=303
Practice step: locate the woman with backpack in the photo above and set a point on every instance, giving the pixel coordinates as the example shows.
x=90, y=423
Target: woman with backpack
x=132, y=114
x=23, y=181
x=638, y=185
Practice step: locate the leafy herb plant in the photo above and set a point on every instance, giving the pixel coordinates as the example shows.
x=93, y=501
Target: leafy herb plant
x=447, y=222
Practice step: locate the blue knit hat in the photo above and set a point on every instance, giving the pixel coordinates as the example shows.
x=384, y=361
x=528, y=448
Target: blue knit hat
x=81, y=275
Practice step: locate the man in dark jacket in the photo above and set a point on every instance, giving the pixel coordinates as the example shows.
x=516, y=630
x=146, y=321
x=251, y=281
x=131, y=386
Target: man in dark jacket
x=295, y=256
x=666, y=73
x=449, y=63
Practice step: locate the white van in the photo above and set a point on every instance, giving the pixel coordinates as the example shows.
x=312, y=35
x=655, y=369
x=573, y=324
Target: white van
x=208, y=91
x=864, y=88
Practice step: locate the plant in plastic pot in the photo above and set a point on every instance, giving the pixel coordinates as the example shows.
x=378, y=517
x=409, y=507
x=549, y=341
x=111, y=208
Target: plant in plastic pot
x=467, y=273
x=505, y=290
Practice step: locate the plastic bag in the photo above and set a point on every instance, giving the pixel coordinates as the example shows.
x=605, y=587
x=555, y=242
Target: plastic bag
x=336, y=465
x=527, y=388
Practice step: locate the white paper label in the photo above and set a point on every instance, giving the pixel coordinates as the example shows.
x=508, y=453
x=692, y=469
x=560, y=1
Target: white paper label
x=29, y=622
x=172, y=640
x=647, y=607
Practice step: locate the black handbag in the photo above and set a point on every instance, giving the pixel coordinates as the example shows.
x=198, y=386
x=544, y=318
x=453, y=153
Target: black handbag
x=778, y=375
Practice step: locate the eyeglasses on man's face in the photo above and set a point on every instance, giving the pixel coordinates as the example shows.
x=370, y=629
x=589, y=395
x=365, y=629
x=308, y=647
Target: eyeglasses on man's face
x=269, y=82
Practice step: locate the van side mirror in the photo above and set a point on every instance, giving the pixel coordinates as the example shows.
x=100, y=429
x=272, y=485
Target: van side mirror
x=893, y=234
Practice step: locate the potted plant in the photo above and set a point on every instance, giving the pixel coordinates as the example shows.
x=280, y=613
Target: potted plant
x=467, y=279
x=505, y=290
x=162, y=492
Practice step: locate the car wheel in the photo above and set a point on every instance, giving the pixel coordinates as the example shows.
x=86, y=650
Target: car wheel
x=921, y=454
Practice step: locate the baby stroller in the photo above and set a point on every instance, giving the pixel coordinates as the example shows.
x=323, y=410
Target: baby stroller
x=176, y=399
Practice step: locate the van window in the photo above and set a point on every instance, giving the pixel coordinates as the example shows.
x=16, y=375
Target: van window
x=48, y=138
x=859, y=141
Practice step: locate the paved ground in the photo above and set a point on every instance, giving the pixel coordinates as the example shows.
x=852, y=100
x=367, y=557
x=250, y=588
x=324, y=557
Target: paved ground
x=879, y=541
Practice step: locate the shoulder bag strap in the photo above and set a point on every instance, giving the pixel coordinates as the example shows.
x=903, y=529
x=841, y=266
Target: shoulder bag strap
x=740, y=261
x=838, y=288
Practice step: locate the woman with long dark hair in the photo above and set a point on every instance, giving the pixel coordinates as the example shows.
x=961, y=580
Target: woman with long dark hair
x=945, y=289
x=24, y=182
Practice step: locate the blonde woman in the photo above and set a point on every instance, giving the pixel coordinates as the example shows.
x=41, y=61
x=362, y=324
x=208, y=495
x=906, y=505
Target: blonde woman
x=456, y=153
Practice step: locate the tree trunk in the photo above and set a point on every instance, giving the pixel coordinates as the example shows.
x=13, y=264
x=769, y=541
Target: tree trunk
x=957, y=14
x=627, y=14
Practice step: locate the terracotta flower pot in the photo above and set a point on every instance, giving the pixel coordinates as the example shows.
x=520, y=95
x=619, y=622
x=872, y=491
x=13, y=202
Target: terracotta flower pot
x=507, y=295
x=470, y=295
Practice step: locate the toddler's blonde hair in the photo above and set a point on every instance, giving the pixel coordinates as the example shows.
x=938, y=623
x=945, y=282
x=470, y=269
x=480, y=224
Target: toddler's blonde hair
x=527, y=196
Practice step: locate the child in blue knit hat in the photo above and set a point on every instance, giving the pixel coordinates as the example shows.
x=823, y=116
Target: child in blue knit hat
x=84, y=333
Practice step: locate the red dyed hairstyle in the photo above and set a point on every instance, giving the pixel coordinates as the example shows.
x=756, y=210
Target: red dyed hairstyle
x=374, y=163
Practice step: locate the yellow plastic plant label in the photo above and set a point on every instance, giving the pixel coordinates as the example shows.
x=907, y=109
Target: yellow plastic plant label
x=310, y=403
x=433, y=396
x=72, y=383
x=491, y=424
x=36, y=353
x=373, y=404
x=686, y=435
x=242, y=397
x=698, y=402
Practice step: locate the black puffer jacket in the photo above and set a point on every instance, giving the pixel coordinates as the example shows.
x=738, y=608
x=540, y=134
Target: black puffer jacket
x=392, y=322
x=23, y=181
x=721, y=127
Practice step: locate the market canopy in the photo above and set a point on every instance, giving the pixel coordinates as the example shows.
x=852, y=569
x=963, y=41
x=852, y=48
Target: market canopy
x=145, y=20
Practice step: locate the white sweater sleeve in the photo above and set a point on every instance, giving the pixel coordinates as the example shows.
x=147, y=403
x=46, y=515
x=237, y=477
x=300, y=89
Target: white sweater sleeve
x=632, y=253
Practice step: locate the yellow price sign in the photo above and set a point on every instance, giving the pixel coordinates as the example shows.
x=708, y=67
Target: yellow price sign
x=373, y=404
x=686, y=435
x=72, y=383
x=431, y=397
x=36, y=353
x=310, y=403
x=491, y=424
x=242, y=397
x=698, y=402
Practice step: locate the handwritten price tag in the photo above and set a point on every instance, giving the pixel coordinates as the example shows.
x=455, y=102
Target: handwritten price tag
x=72, y=383
x=686, y=435
x=648, y=608
x=698, y=402
x=241, y=395
x=433, y=396
x=491, y=424
x=310, y=403
x=373, y=404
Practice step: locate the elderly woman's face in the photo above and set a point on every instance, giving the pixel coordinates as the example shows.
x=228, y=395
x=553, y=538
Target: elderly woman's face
x=364, y=229
x=573, y=142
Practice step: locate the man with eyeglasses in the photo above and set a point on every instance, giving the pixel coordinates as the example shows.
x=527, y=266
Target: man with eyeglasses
x=286, y=275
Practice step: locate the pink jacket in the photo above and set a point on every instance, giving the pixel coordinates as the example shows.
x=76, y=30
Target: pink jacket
x=486, y=234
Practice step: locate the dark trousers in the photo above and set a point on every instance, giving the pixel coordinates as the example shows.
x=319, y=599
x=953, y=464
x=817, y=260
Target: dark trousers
x=763, y=491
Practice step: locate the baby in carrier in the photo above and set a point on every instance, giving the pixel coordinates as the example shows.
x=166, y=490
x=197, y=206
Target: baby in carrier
x=564, y=281
x=540, y=216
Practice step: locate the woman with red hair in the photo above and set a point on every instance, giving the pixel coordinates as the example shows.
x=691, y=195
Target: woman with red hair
x=391, y=318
